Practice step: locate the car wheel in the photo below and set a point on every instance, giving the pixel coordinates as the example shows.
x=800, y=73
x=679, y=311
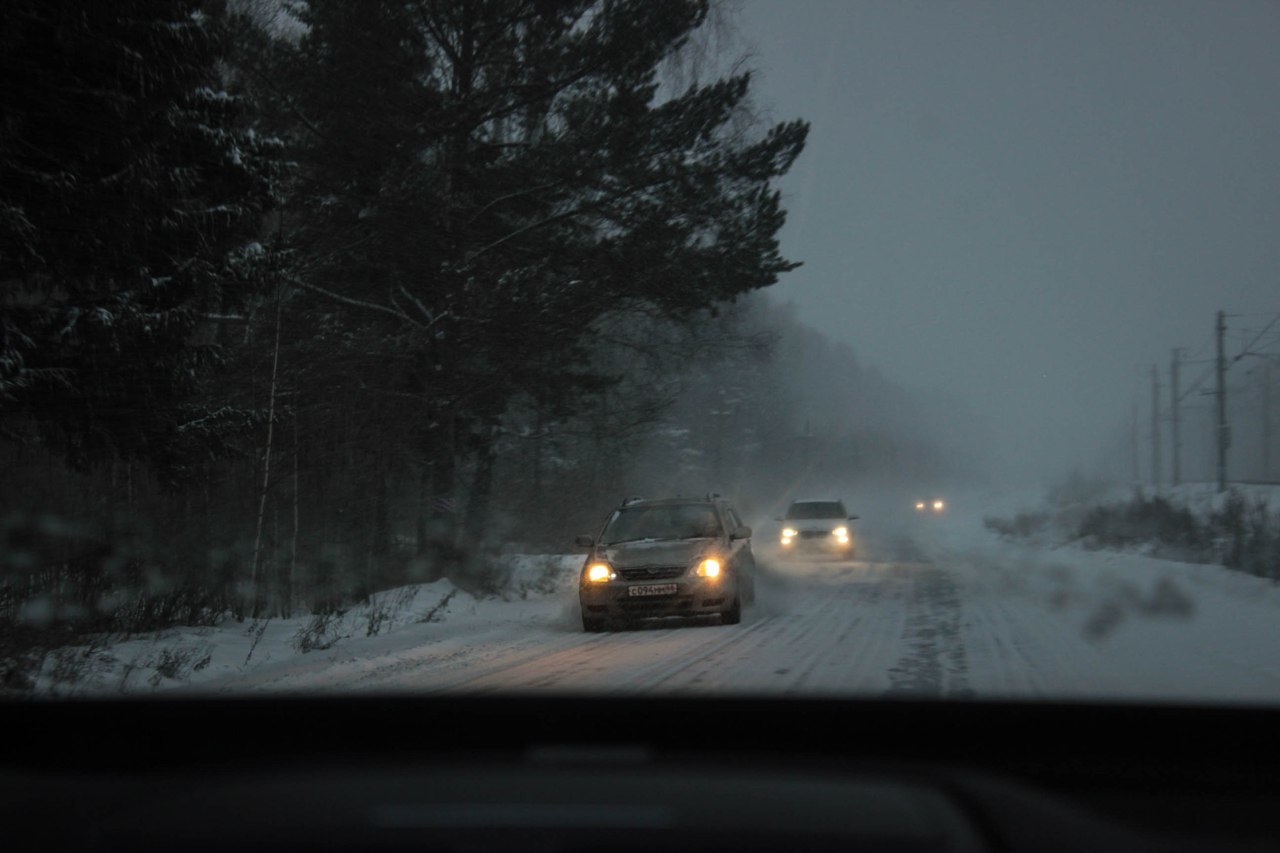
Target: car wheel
x=592, y=626
x=733, y=615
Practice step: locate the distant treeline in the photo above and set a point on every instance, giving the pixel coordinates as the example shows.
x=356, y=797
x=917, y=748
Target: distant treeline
x=1240, y=533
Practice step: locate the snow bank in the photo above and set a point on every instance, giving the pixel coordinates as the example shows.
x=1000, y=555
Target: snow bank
x=531, y=587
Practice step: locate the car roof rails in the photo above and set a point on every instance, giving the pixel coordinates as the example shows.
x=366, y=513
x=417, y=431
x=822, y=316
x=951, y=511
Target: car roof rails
x=631, y=500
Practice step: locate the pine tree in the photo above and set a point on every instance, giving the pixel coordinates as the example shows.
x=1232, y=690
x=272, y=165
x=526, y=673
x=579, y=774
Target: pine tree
x=132, y=186
x=485, y=184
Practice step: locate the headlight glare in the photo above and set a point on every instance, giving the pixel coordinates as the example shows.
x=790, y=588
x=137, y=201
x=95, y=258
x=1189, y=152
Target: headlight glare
x=938, y=505
x=788, y=532
x=709, y=568
x=599, y=572
x=841, y=532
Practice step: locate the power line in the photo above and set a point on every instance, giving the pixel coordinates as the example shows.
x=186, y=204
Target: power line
x=1199, y=381
x=1198, y=352
x=1213, y=362
x=1256, y=338
x=1215, y=365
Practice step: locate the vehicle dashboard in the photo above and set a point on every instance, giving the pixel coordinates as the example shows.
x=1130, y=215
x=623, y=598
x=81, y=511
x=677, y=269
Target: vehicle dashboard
x=630, y=773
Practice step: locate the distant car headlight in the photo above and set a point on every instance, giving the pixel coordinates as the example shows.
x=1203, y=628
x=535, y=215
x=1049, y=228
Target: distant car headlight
x=919, y=504
x=708, y=568
x=841, y=532
x=788, y=532
x=939, y=505
x=600, y=572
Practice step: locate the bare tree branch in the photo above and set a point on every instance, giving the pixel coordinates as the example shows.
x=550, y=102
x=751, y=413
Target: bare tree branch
x=355, y=303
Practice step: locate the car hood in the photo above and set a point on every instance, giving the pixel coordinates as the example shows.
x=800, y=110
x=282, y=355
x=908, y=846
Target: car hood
x=668, y=552
x=827, y=524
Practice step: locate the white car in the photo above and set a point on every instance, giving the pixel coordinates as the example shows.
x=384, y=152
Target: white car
x=817, y=525
x=931, y=506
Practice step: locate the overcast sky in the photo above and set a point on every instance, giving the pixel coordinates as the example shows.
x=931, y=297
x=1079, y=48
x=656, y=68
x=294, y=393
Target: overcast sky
x=1028, y=203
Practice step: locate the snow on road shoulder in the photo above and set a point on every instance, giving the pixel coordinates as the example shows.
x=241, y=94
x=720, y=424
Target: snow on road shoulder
x=1151, y=628
x=536, y=591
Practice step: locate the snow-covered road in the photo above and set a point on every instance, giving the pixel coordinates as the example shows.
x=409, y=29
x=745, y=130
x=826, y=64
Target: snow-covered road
x=924, y=615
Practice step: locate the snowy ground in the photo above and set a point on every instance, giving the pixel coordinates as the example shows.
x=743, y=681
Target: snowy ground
x=937, y=607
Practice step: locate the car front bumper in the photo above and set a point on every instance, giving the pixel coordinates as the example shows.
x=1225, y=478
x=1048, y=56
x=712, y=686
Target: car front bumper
x=692, y=596
x=826, y=543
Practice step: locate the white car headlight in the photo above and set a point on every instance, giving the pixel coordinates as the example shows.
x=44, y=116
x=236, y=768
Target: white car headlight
x=841, y=532
x=788, y=532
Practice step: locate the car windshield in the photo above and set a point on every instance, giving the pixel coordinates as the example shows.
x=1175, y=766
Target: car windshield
x=344, y=346
x=802, y=511
x=662, y=521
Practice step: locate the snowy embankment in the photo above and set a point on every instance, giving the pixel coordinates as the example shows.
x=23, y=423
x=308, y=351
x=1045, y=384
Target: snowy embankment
x=538, y=590
x=1107, y=624
x=1205, y=497
x=1238, y=528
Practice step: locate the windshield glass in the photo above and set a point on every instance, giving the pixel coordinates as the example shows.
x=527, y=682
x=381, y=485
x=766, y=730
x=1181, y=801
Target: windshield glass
x=333, y=333
x=816, y=509
x=671, y=521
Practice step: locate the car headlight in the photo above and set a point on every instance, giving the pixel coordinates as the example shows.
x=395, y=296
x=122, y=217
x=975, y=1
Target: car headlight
x=938, y=505
x=841, y=533
x=600, y=572
x=788, y=532
x=708, y=568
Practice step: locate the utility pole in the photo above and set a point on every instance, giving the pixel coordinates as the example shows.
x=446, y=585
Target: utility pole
x=1175, y=422
x=1266, y=419
x=1223, y=433
x=808, y=446
x=1155, y=426
x=1133, y=439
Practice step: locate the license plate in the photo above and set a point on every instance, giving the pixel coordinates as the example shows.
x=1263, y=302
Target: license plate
x=654, y=589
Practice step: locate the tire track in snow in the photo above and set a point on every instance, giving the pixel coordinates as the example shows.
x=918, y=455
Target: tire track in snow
x=838, y=636
x=828, y=612
x=936, y=663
